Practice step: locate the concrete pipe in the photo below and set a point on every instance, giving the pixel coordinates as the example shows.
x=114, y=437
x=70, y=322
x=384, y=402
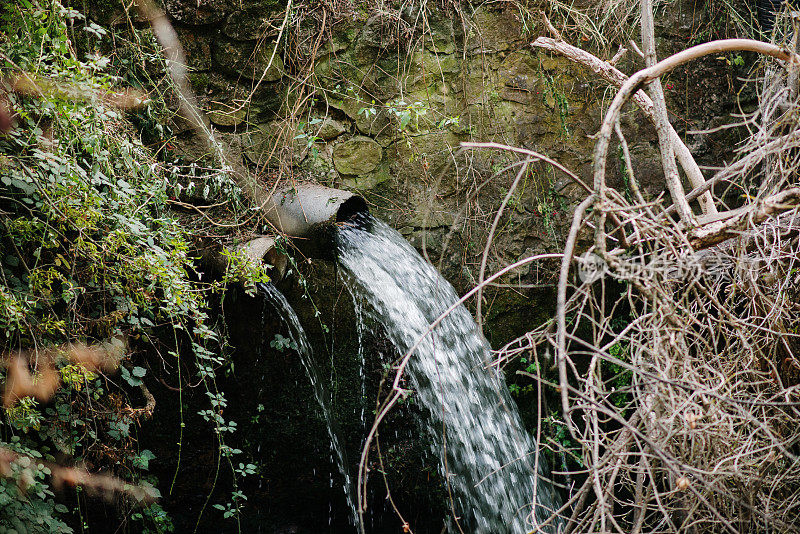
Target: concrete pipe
x=257, y=251
x=295, y=210
x=262, y=249
x=305, y=213
x=308, y=213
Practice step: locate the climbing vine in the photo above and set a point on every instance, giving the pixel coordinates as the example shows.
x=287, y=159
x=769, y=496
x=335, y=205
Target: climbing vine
x=92, y=250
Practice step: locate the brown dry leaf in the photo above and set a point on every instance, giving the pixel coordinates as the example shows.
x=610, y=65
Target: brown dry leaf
x=6, y=457
x=5, y=117
x=128, y=98
x=103, y=357
x=21, y=383
x=39, y=86
x=692, y=418
x=105, y=486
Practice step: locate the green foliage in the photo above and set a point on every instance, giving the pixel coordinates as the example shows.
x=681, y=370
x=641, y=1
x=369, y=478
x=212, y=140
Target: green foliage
x=408, y=114
x=310, y=139
x=234, y=506
x=142, y=460
x=529, y=367
x=548, y=200
x=86, y=219
x=24, y=415
x=35, y=510
x=134, y=376
x=75, y=376
x=560, y=101
x=620, y=376
x=243, y=270
x=281, y=343
x=567, y=451
x=368, y=112
x=90, y=249
x=155, y=520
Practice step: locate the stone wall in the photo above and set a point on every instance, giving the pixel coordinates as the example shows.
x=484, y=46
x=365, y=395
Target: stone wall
x=376, y=97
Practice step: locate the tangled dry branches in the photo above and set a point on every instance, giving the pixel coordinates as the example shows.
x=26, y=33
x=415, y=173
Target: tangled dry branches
x=679, y=354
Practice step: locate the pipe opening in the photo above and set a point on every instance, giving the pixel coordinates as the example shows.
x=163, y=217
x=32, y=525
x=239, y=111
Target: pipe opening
x=351, y=207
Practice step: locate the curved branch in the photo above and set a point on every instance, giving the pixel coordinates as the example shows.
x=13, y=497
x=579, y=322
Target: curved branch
x=611, y=74
x=664, y=66
x=490, y=237
x=561, y=306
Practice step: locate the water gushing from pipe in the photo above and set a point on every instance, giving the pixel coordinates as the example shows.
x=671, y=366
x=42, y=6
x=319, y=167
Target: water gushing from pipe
x=497, y=478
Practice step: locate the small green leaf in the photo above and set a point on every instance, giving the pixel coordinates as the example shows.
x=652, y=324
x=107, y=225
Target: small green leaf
x=142, y=461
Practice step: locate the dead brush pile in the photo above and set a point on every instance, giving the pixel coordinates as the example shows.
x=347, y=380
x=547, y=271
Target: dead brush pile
x=677, y=337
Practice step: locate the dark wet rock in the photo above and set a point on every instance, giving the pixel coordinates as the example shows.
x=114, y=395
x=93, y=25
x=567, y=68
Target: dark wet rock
x=197, y=12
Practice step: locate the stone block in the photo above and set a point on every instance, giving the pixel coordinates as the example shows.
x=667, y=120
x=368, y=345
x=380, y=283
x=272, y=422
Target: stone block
x=330, y=129
x=227, y=113
x=197, y=12
x=357, y=156
x=197, y=47
x=248, y=60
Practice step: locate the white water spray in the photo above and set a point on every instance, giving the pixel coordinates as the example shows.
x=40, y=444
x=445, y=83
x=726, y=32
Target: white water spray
x=498, y=479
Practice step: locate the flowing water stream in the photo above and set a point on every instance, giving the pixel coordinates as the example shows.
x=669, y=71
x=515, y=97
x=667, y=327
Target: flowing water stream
x=298, y=336
x=495, y=475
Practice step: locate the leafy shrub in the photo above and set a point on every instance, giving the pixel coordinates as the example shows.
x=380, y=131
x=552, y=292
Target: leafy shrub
x=89, y=249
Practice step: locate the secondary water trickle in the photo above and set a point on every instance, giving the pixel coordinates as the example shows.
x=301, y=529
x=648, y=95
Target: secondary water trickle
x=298, y=336
x=497, y=478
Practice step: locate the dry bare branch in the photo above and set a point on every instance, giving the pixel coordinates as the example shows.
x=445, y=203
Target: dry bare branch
x=680, y=381
x=664, y=66
x=735, y=222
x=663, y=127
x=608, y=72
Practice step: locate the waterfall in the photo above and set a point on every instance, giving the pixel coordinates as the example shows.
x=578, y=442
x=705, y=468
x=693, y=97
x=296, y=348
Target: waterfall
x=298, y=336
x=497, y=479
